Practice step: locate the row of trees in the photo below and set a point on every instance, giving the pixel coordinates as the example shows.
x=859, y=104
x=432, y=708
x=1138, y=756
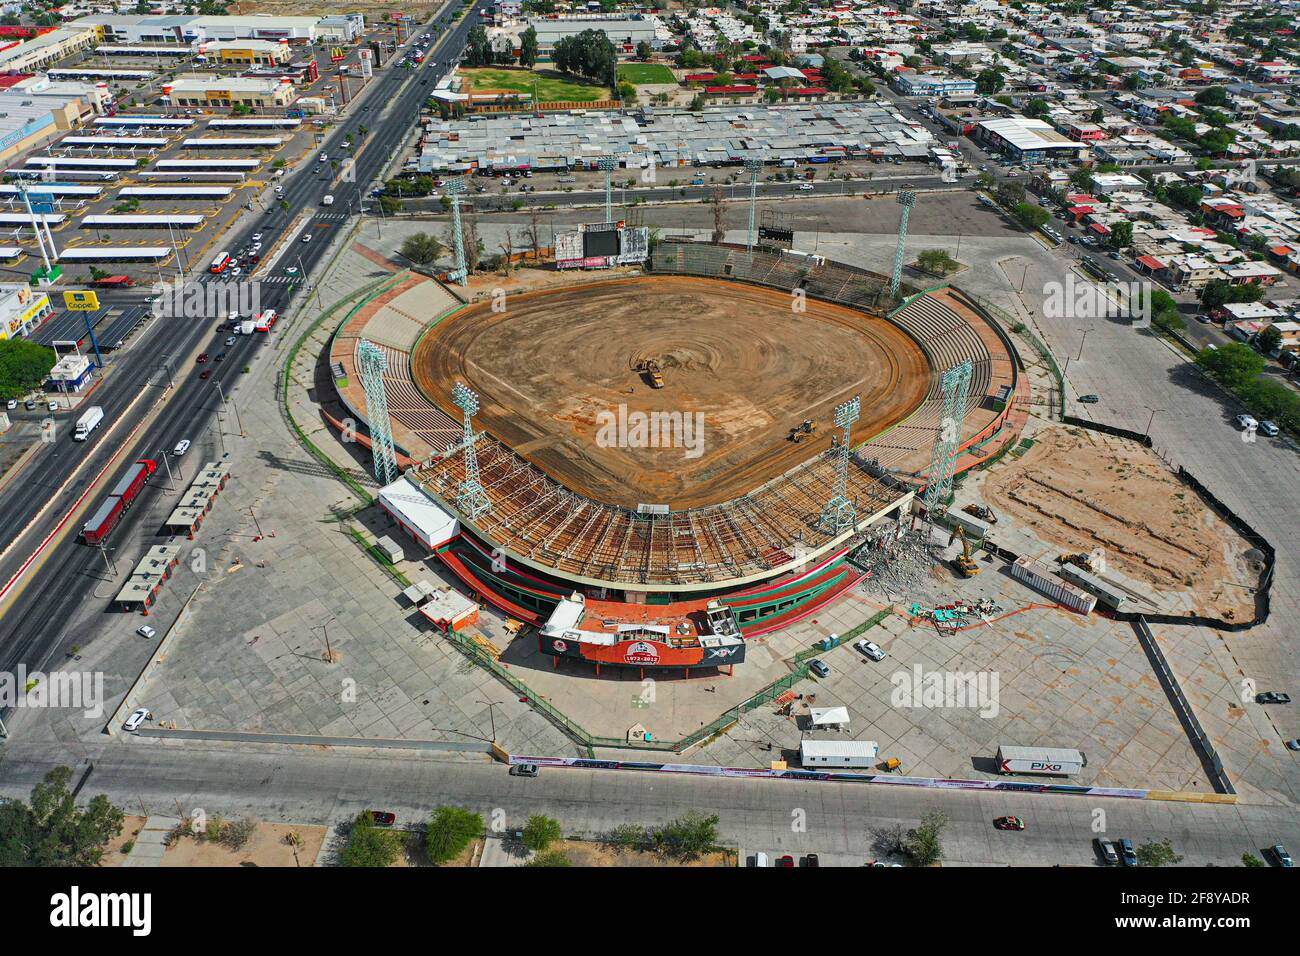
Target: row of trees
x=589, y=53
x=1239, y=369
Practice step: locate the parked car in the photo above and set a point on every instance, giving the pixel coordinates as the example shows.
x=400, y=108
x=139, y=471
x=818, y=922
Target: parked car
x=52, y=406
x=785, y=862
x=1268, y=428
x=1089, y=399
x=30, y=404
x=811, y=860
x=1246, y=423
x=524, y=770
x=1106, y=850
x=1128, y=856
x=11, y=404
x=818, y=668
x=144, y=630
x=1293, y=744
x=132, y=723
x=383, y=818
x=870, y=649
x=1009, y=823
x=1272, y=697
x=1280, y=856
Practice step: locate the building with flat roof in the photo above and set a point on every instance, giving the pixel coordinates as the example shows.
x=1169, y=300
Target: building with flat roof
x=932, y=84
x=223, y=92
x=1027, y=140
x=622, y=31
x=187, y=30
x=260, y=52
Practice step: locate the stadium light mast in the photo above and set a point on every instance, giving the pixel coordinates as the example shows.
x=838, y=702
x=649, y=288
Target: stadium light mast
x=753, y=167
x=471, y=499
x=906, y=199
x=839, y=513
x=955, y=387
x=373, y=363
x=455, y=188
x=607, y=165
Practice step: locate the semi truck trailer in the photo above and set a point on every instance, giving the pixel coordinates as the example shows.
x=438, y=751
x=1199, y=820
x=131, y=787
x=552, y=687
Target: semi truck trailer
x=88, y=422
x=1056, y=761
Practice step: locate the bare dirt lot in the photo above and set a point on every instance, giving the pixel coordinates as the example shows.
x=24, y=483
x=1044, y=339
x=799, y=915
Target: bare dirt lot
x=267, y=847
x=556, y=375
x=1084, y=491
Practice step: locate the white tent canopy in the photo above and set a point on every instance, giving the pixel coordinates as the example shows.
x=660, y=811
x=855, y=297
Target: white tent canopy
x=827, y=716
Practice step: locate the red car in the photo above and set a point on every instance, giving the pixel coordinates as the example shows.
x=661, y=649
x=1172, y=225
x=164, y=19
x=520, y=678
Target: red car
x=203, y=357
x=383, y=818
x=205, y=373
x=785, y=861
x=1009, y=823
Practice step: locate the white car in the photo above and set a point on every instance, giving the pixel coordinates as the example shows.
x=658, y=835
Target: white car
x=133, y=722
x=144, y=630
x=306, y=237
x=234, y=317
x=257, y=237
x=52, y=406
x=279, y=190
x=870, y=649
x=236, y=271
x=181, y=448
x=12, y=403
x=804, y=187
x=1246, y=423
x=257, y=247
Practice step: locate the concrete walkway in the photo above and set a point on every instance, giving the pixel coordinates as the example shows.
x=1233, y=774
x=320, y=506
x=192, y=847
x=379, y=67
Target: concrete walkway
x=151, y=842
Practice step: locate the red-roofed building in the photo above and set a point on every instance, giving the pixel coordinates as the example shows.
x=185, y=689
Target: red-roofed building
x=733, y=90
x=1150, y=264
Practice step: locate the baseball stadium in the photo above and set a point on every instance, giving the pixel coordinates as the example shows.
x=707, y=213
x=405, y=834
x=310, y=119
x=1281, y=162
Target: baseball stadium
x=653, y=468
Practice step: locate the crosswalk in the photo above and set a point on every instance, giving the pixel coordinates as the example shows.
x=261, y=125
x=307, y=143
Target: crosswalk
x=332, y=215
x=279, y=279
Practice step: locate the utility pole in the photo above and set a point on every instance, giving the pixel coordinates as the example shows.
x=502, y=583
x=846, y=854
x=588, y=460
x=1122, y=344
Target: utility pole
x=329, y=651
x=491, y=717
x=171, y=482
x=256, y=524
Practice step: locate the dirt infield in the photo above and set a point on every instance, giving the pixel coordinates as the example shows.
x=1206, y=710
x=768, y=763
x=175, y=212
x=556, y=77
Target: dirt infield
x=555, y=372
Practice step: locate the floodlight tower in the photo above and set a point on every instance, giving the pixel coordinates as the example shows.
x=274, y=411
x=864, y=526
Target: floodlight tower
x=753, y=167
x=470, y=496
x=607, y=165
x=455, y=188
x=839, y=512
x=373, y=364
x=906, y=199
x=955, y=387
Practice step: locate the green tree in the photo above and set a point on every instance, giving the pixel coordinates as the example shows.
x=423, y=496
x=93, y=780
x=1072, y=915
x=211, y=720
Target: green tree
x=23, y=366
x=989, y=81
x=643, y=51
x=478, y=51
x=540, y=832
x=1029, y=215
x=925, y=844
x=1269, y=340
x=421, y=248
x=936, y=260
x=450, y=830
x=1212, y=96
x=368, y=845
x=1121, y=234
x=1250, y=859
x=528, y=48
x=687, y=837
x=51, y=830
x=1233, y=365
x=1158, y=854
x=390, y=205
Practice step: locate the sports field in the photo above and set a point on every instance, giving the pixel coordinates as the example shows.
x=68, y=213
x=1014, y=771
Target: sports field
x=551, y=86
x=642, y=74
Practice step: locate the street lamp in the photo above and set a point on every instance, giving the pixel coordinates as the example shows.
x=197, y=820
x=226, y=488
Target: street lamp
x=329, y=651
x=1151, y=419
x=491, y=717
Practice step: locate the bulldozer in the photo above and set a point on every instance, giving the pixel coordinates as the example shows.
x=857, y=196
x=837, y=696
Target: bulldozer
x=982, y=512
x=964, y=563
x=809, y=427
x=653, y=374
x=1078, y=560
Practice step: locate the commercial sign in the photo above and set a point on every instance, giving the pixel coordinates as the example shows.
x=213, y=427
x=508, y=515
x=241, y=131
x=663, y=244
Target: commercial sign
x=81, y=301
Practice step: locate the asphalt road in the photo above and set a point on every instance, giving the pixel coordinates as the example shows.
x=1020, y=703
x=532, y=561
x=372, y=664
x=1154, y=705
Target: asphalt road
x=837, y=820
x=64, y=578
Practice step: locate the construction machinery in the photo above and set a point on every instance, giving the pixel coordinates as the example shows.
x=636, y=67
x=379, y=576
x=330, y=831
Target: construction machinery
x=982, y=512
x=809, y=427
x=964, y=563
x=652, y=372
x=1078, y=560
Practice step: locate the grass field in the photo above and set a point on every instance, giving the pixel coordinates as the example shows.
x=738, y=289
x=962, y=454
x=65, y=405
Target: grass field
x=640, y=74
x=551, y=86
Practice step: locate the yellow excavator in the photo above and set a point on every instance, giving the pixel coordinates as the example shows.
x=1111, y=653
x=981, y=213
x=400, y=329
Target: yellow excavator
x=964, y=563
x=1078, y=560
x=650, y=369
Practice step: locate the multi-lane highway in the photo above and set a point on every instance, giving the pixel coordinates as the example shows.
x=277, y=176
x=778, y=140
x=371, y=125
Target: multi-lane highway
x=47, y=590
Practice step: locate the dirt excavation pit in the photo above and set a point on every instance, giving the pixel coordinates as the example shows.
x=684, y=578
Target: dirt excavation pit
x=1080, y=491
x=565, y=377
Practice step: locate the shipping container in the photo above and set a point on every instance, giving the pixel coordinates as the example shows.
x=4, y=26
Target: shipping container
x=1040, y=578
x=838, y=753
